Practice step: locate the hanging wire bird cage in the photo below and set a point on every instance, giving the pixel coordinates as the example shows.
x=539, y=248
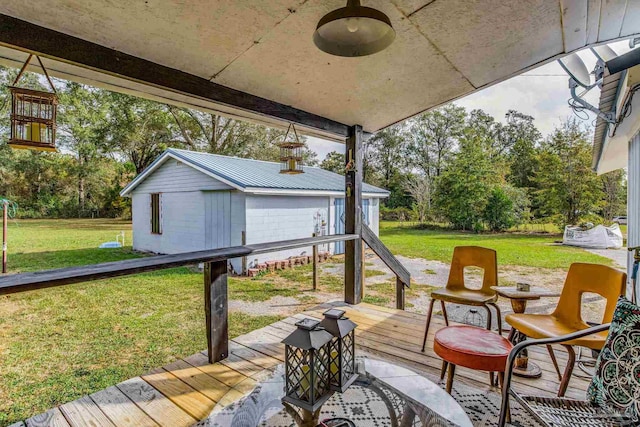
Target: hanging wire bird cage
x=33, y=115
x=291, y=153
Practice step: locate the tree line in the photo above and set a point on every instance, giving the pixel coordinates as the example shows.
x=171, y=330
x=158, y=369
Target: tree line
x=449, y=165
x=467, y=169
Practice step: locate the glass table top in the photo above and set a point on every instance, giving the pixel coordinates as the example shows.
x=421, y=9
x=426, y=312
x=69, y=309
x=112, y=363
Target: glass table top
x=384, y=395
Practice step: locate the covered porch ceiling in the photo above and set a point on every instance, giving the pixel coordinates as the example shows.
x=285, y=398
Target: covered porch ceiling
x=444, y=49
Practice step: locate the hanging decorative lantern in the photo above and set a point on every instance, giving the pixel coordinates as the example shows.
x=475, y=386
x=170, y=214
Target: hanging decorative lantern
x=342, y=349
x=33, y=115
x=291, y=153
x=307, y=366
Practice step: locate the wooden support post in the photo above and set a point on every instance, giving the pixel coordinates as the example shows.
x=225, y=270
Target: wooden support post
x=354, y=257
x=244, y=258
x=315, y=265
x=399, y=294
x=216, y=310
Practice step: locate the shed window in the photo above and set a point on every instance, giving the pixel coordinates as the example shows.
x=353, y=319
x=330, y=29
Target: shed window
x=156, y=215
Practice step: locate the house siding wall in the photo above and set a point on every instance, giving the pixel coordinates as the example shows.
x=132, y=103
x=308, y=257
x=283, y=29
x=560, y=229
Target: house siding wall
x=183, y=209
x=273, y=218
x=174, y=176
x=182, y=219
x=194, y=204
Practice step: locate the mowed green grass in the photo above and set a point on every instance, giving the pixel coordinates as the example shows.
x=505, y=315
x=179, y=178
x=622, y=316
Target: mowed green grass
x=58, y=344
x=517, y=249
x=61, y=343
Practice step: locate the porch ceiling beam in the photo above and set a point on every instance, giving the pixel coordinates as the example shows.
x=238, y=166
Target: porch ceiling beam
x=23, y=35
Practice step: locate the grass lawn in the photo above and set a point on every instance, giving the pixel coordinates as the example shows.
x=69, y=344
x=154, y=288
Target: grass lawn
x=518, y=249
x=61, y=343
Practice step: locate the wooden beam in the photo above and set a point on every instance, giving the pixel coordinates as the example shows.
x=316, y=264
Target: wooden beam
x=403, y=277
x=399, y=294
x=23, y=35
x=64, y=276
x=354, y=254
x=216, y=308
x=385, y=255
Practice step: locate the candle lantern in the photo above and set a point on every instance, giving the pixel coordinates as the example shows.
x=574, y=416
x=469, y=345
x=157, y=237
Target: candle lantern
x=33, y=115
x=291, y=153
x=342, y=349
x=307, y=366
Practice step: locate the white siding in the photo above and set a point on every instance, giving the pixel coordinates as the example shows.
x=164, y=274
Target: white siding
x=273, y=218
x=182, y=209
x=199, y=212
x=174, y=176
x=183, y=222
x=633, y=203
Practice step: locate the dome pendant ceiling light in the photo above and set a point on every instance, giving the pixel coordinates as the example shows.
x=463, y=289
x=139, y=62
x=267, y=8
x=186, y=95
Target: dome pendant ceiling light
x=353, y=31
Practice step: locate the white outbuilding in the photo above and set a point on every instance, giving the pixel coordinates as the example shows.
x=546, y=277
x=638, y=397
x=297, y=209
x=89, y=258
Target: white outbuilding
x=190, y=201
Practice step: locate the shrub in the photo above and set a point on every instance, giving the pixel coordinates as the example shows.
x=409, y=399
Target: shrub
x=396, y=214
x=499, y=212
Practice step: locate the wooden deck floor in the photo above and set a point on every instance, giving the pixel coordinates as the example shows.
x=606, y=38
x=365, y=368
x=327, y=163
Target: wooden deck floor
x=188, y=389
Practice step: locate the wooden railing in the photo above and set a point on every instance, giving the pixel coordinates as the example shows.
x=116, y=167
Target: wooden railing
x=65, y=276
x=215, y=276
x=403, y=277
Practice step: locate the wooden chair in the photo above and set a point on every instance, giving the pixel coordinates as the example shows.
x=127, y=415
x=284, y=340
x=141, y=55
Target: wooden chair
x=457, y=292
x=567, y=317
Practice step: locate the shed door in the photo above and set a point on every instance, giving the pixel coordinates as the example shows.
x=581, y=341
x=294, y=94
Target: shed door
x=339, y=223
x=366, y=218
x=217, y=219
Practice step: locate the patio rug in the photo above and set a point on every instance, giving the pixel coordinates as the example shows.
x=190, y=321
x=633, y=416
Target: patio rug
x=366, y=409
x=483, y=407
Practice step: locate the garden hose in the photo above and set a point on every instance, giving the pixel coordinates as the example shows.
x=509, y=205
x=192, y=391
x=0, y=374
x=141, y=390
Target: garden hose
x=12, y=207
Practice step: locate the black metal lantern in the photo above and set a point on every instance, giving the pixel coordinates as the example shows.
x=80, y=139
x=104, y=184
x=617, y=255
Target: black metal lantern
x=291, y=154
x=33, y=115
x=353, y=31
x=342, y=349
x=307, y=366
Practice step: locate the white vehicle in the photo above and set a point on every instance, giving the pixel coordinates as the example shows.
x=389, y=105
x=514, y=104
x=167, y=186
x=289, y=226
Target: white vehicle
x=620, y=219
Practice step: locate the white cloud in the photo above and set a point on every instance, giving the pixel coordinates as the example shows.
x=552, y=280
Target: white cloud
x=541, y=93
x=322, y=147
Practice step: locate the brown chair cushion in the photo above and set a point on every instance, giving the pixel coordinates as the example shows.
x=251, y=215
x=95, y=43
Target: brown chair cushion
x=472, y=347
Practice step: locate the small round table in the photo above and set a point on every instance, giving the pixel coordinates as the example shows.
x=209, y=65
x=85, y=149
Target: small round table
x=523, y=367
x=409, y=399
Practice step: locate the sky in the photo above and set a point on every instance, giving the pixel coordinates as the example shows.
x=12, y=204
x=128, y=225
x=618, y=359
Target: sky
x=541, y=93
